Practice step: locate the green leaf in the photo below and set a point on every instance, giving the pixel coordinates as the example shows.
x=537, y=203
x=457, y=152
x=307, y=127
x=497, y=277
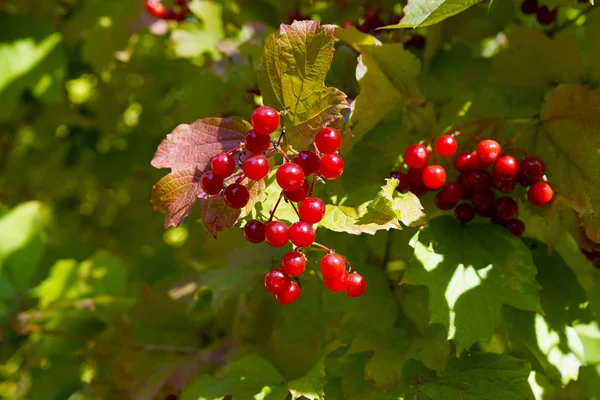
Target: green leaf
x=191, y=40
x=21, y=247
x=471, y=271
x=294, y=65
x=364, y=211
x=389, y=351
x=429, y=12
x=311, y=385
x=479, y=376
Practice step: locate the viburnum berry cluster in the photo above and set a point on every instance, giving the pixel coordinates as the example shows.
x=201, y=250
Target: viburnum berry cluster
x=157, y=9
x=292, y=176
x=483, y=178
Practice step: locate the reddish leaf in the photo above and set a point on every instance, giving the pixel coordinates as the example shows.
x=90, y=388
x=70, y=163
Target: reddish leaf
x=188, y=151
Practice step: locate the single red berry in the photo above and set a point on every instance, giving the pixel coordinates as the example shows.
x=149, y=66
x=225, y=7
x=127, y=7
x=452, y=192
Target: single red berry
x=293, y=263
x=546, y=16
x=475, y=164
x=173, y=15
x=479, y=181
x=417, y=42
x=416, y=156
x=171, y=397
x=254, y=231
x=449, y=196
x=462, y=162
x=333, y=265
x=223, y=165
x=515, y=226
x=302, y=234
x=290, y=177
x=483, y=202
x=395, y=19
x=445, y=145
x=506, y=167
x=236, y=196
x=337, y=283
x=331, y=166
x=277, y=234
x=211, y=183
x=294, y=15
x=415, y=181
x=265, y=120
x=540, y=194
x=362, y=28
x=257, y=144
x=402, y=178
x=256, y=167
x=289, y=295
x=308, y=161
x=297, y=195
x=434, y=176
x=356, y=285
x=276, y=281
x=531, y=171
x=464, y=212
x=505, y=208
x=347, y=24
x=488, y=151
x=155, y=8
x=312, y=210
x=529, y=7
x=372, y=20
x=328, y=140
x=504, y=185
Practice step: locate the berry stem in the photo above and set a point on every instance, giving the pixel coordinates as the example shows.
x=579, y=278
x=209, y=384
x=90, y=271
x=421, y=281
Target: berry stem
x=321, y=247
x=281, y=135
x=294, y=207
x=285, y=156
x=312, y=186
x=571, y=21
x=516, y=148
x=235, y=150
x=275, y=208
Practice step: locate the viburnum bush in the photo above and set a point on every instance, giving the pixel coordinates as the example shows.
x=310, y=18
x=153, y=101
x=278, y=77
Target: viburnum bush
x=374, y=200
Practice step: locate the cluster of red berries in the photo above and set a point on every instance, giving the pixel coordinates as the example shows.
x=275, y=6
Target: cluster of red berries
x=543, y=14
x=292, y=177
x=474, y=183
x=178, y=13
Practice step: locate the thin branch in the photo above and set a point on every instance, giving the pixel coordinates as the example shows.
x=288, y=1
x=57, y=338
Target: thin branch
x=571, y=21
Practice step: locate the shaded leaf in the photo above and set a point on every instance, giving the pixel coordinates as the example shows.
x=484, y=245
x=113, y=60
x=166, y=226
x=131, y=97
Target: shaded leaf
x=429, y=12
x=311, y=385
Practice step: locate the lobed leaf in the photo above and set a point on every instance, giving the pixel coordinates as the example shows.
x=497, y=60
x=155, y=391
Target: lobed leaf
x=428, y=12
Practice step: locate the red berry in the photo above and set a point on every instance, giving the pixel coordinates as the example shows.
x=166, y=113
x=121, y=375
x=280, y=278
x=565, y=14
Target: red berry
x=328, y=140
x=312, y=210
x=290, y=177
x=445, y=145
x=483, y=202
x=333, y=265
x=540, y=194
x=211, y=183
x=276, y=281
x=488, y=151
x=277, y=234
x=417, y=42
x=256, y=167
x=298, y=195
x=356, y=285
x=254, y=231
x=155, y=8
x=170, y=397
x=402, y=178
x=265, y=120
x=223, y=165
x=506, y=167
x=395, y=19
x=504, y=185
x=434, y=176
x=545, y=16
x=236, y=196
x=475, y=164
x=416, y=156
x=449, y=196
x=529, y=7
x=515, y=226
x=337, y=283
x=372, y=20
x=531, y=171
x=302, y=234
x=256, y=143
x=331, y=166
x=173, y=15
x=505, y=209
x=464, y=212
x=293, y=263
x=462, y=162
x=289, y=295
x=294, y=15
x=308, y=161
x=479, y=181
x=415, y=181
x=347, y=24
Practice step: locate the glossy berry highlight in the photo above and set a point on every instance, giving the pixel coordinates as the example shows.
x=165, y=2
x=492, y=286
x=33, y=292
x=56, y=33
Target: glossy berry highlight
x=434, y=176
x=312, y=210
x=540, y=194
x=301, y=234
x=236, y=196
x=256, y=167
x=328, y=140
x=332, y=265
x=357, y=285
x=446, y=145
x=331, y=166
x=337, y=283
x=276, y=281
x=254, y=231
x=488, y=151
x=289, y=295
x=265, y=120
x=210, y=183
x=257, y=144
x=293, y=263
x=277, y=234
x=416, y=156
x=290, y=177
x=222, y=165
x=308, y=161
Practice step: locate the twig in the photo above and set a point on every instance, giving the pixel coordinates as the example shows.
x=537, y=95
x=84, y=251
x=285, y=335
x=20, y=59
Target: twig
x=571, y=21
x=275, y=208
x=294, y=207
